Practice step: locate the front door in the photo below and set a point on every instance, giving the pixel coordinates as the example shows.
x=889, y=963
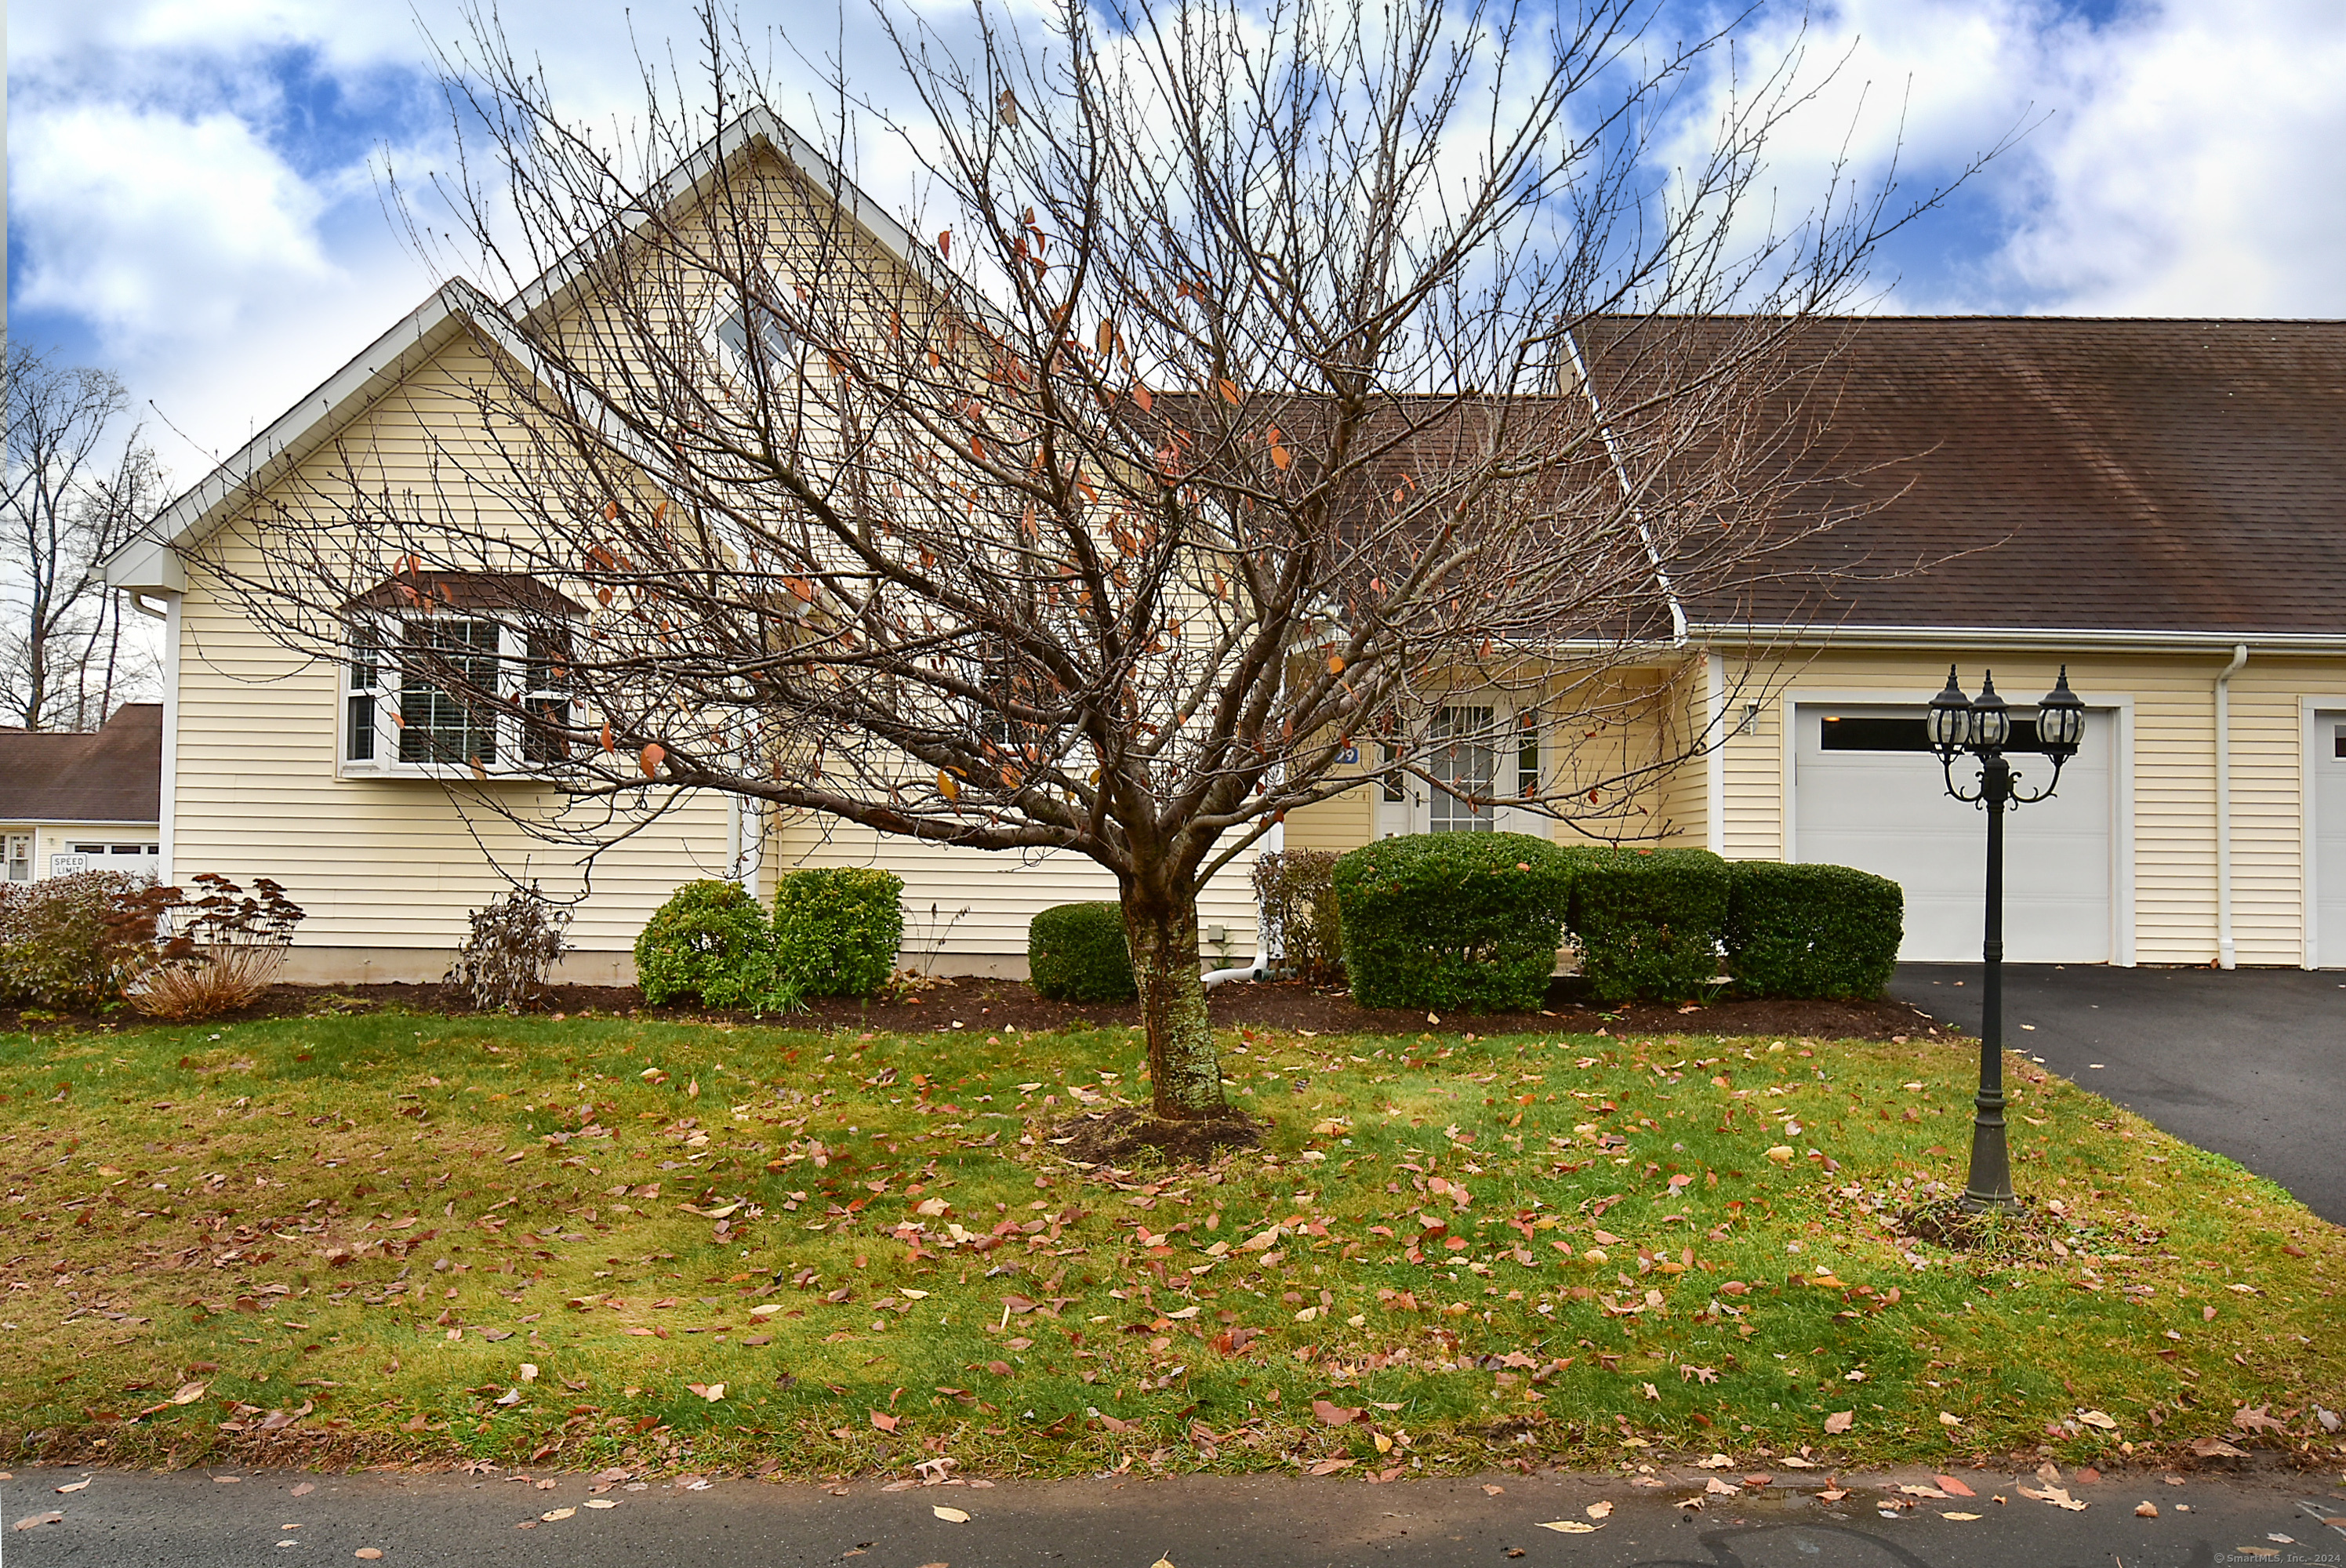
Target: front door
x=1474, y=751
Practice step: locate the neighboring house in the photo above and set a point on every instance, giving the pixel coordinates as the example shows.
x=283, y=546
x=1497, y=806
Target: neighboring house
x=76, y=801
x=2161, y=505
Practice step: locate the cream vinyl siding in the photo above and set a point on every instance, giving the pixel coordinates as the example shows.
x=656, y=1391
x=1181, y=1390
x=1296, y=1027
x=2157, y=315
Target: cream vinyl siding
x=965, y=907
x=2172, y=839
x=2268, y=820
x=377, y=863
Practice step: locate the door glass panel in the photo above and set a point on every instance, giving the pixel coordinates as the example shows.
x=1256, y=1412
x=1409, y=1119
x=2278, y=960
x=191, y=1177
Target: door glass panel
x=1465, y=758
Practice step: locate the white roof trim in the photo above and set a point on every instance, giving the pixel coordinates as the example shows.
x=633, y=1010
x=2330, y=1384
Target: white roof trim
x=1727, y=637
x=149, y=561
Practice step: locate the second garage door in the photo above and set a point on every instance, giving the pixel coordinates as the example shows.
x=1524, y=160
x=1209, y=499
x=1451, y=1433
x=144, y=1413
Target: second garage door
x=1868, y=792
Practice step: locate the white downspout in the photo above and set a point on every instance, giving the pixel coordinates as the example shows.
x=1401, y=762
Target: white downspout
x=1259, y=967
x=2226, y=954
x=1714, y=754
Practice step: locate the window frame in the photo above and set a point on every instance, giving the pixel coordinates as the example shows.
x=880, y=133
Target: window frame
x=372, y=688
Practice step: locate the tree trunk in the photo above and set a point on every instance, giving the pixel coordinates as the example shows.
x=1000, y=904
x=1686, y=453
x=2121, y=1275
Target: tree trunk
x=1184, y=1065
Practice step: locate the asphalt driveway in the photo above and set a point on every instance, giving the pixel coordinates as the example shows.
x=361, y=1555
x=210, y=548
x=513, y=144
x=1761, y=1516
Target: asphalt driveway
x=2250, y=1062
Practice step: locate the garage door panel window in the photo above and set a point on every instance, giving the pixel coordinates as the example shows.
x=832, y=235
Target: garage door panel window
x=1860, y=732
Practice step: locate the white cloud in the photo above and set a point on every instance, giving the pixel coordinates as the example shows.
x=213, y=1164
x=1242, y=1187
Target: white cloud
x=160, y=193
x=2196, y=172
x=150, y=225
x=2181, y=159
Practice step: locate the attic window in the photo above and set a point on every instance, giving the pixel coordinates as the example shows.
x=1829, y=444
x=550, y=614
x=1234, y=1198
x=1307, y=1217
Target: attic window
x=776, y=348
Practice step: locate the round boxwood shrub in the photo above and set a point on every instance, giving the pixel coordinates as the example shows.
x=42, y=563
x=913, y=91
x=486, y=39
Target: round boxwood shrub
x=837, y=929
x=711, y=941
x=1466, y=922
x=1647, y=922
x=1077, y=953
x=1812, y=930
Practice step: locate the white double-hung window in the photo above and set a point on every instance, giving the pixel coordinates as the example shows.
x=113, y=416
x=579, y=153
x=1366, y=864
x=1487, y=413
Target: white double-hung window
x=457, y=672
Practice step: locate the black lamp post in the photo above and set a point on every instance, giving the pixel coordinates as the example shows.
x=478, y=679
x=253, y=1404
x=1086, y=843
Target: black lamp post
x=1981, y=726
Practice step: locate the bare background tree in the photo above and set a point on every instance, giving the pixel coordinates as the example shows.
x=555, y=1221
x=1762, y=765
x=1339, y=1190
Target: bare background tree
x=1260, y=391
x=77, y=484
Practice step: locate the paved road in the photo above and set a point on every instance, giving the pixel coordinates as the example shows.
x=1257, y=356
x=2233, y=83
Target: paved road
x=191, y=1521
x=2251, y=1063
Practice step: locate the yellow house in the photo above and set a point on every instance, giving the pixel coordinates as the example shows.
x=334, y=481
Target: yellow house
x=279, y=763
x=2159, y=506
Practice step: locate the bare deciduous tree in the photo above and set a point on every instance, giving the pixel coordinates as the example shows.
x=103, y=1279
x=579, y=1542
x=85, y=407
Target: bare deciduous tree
x=1239, y=406
x=75, y=486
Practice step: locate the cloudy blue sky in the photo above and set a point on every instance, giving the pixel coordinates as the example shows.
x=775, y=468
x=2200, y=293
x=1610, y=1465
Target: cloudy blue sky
x=193, y=197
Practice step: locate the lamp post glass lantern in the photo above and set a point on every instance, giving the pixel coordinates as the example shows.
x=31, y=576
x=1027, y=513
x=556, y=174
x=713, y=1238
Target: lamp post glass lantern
x=1981, y=728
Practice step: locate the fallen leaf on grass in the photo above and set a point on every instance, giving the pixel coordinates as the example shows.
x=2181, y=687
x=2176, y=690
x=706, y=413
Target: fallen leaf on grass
x=1569, y=1527
x=35, y=1521
x=188, y=1394
x=1600, y=1511
x=950, y=1515
x=712, y=1392
x=1335, y=1415
x=1946, y=1420
x=2097, y=1418
x=2217, y=1448
x=1839, y=1421
x=1330, y=1466
x=883, y=1420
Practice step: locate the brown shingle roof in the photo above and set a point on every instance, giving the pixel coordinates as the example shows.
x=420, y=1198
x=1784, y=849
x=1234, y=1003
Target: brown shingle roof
x=112, y=774
x=2046, y=473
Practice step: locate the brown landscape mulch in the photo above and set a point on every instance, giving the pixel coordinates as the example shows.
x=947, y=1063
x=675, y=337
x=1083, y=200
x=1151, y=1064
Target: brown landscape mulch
x=980, y=1003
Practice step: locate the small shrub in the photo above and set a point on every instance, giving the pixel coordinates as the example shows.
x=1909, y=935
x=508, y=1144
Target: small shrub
x=711, y=941
x=217, y=952
x=1647, y=922
x=76, y=941
x=1077, y=953
x=1296, y=891
x=1455, y=921
x=836, y=930
x=512, y=946
x=1812, y=930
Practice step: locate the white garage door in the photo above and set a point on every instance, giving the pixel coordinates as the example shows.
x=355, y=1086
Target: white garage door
x=1868, y=793
x=2329, y=792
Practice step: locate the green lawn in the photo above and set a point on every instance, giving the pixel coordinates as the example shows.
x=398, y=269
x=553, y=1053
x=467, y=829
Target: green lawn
x=531, y=1239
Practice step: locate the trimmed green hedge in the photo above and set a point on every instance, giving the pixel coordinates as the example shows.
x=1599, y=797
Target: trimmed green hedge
x=1077, y=952
x=1812, y=930
x=1647, y=922
x=711, y=941
x=1453, y=921
x=836, y=930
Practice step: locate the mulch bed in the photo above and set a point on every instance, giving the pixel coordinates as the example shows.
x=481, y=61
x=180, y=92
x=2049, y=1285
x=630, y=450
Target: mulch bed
x=977, y=1004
